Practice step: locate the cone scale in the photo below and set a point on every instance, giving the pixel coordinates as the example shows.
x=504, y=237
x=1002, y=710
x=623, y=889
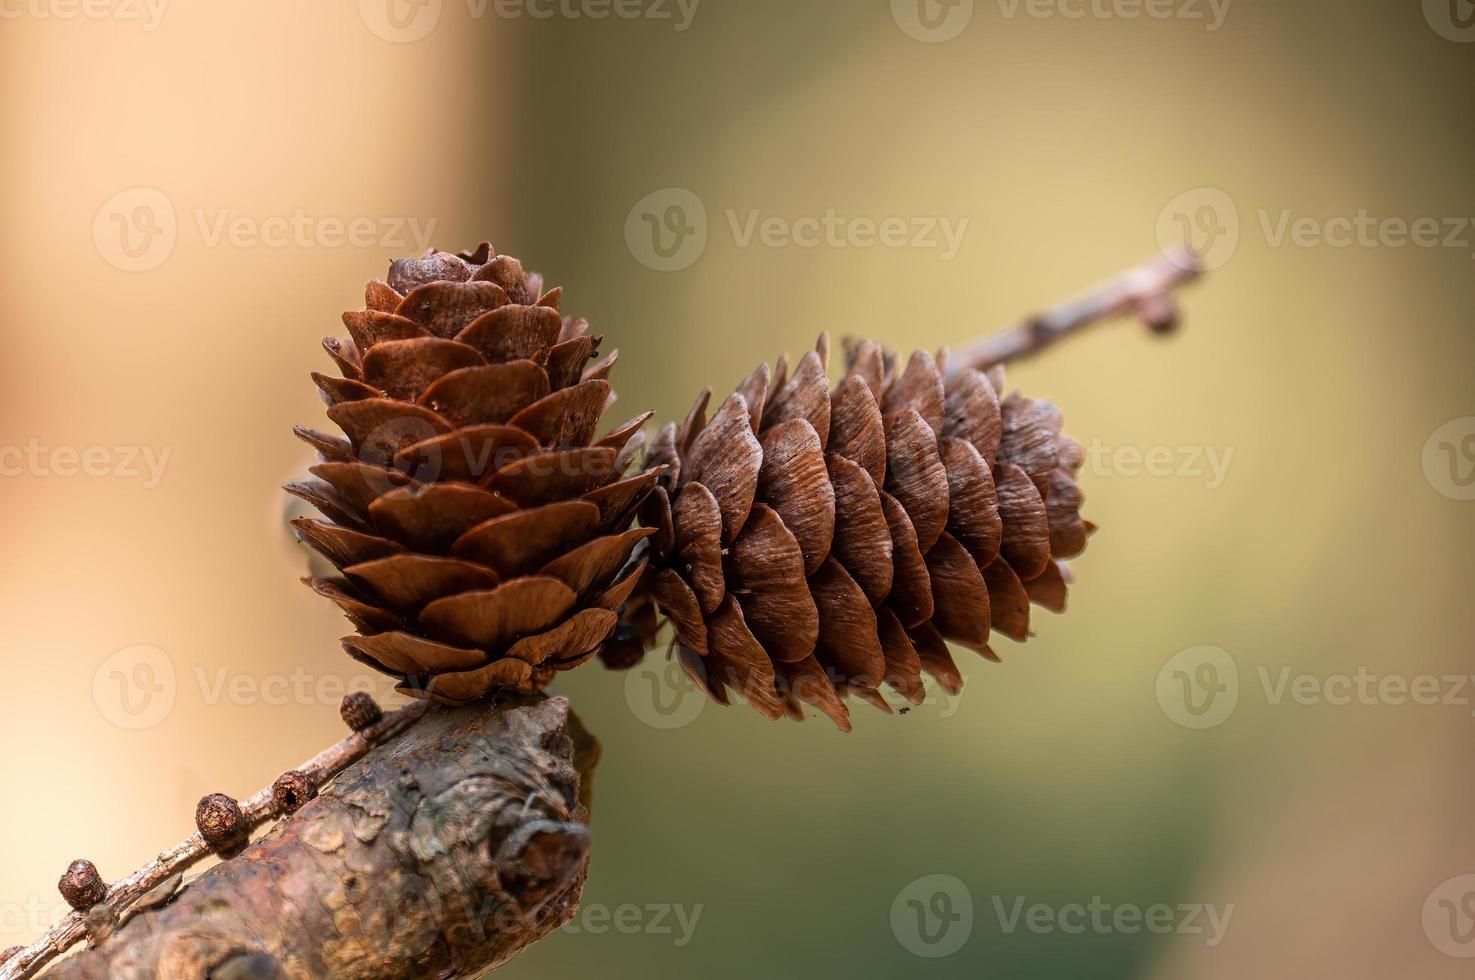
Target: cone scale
x=812, y=544
x=481, y=532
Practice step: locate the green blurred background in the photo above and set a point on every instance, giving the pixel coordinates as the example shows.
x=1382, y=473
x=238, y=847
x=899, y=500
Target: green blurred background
x=1317, y=373
x=1331, y=382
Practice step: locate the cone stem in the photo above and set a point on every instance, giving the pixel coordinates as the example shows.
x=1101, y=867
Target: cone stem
x=1145, y=292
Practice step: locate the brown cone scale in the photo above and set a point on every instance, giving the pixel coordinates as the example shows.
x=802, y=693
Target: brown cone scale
x=480, y=528
x=810, y=543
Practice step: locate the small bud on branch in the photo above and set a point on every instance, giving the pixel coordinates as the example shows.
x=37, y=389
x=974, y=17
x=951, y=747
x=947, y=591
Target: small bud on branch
x=82, y=886
x=220, y=821
x=359, y=711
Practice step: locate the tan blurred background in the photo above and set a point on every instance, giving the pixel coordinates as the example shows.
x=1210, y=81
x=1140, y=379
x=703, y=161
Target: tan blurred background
x=194, y=191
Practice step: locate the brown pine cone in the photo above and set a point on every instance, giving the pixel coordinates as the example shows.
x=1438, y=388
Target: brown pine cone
x=480, y=528
x=811, y=544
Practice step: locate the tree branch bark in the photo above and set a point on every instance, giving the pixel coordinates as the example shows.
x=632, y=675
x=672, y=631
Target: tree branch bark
x=1145, y=291
x=440, y=854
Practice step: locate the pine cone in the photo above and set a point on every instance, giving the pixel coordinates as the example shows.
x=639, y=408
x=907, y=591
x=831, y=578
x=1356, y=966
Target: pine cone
x=480, y=528
x=811, y=544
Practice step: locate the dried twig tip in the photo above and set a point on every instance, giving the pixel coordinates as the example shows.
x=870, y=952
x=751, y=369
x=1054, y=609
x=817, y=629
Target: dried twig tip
x=1146, y=293
x=82, y=886
x=292, y=791
x=360, y=711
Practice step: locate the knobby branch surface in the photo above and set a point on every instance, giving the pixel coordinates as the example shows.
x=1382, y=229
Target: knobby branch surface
x=440, y=854
x=1146, y=292
x=257, y=810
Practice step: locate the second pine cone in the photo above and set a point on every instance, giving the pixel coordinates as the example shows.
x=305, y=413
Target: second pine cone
x=812, y=544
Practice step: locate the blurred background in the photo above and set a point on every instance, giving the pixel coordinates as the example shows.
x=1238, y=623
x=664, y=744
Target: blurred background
x=1246, y=749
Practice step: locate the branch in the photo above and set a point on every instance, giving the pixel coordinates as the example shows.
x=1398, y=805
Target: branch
x=255, y=811
x=27, y=961
x=442, y=854
x=445, y=852
x=1145, y=292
